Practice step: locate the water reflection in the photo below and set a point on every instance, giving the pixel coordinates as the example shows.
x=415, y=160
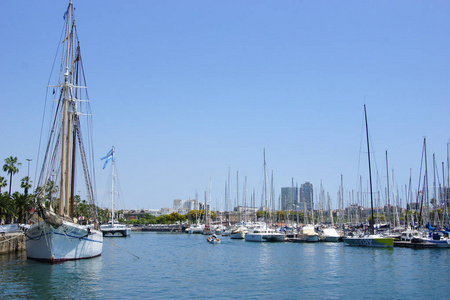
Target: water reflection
x=183, y=266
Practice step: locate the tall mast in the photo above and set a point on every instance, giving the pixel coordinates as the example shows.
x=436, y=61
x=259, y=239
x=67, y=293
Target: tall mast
x=63, y=193
x=370, y=171
x=425, y=184
x=112, y=184
x=388, y=195
x=237, y=196
x=265, y=184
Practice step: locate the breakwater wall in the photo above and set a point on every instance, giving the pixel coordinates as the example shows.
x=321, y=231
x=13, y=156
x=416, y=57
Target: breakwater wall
x=161, y=228
x=12, y=242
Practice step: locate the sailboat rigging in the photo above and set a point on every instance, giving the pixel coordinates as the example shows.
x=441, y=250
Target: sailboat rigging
x=371, y=240
x=57, y=235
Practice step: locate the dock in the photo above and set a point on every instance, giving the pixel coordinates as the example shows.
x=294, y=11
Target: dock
x=162, y=228
x=12, y=242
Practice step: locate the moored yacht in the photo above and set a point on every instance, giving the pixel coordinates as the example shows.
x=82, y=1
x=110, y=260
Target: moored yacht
x=372, y=240
x=264, y=234
x=309, y=234
x=239, y=232
x=115, y=229
x=329, y=234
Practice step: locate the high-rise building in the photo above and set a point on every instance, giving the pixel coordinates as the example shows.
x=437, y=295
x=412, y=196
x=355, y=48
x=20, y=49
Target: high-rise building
x=306, y=196
x=289, y=198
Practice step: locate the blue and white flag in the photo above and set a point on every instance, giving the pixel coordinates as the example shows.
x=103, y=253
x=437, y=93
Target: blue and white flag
x=109, y=156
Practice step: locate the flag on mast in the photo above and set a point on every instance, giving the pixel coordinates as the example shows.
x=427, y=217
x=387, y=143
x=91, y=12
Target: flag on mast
x=109, y=156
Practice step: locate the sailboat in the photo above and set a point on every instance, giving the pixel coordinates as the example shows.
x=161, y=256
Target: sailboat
x=113, y=228
x=56, y=234
x=262, y=232
x=372, y=239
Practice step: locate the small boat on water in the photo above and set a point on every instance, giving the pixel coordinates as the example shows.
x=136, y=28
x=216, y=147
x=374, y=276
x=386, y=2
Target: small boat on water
x=213, y=239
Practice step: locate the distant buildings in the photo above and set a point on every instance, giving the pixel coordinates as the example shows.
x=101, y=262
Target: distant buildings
x=293, y=198
x=289, y=198
x=307, y=196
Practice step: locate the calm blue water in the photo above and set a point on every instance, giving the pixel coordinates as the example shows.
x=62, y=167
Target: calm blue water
x=186, y=266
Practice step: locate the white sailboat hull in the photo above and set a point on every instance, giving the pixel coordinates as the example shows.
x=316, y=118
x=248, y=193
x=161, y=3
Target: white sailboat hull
x=331, y=239
x=370, y=241
x=330, y=235
x=237, y=235
x=67, y=242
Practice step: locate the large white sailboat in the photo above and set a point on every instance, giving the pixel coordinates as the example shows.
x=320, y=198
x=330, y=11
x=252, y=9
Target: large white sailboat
x=113, y=228
x=56, y=234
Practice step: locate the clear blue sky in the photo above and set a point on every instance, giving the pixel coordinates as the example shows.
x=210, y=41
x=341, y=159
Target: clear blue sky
x=187, y=89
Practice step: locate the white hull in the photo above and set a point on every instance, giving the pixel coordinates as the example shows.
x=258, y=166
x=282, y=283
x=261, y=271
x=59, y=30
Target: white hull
x=331, y=239
x=311, y=238
x=370, y=241
x=309, y=234
x=329, y=235
x=264, y=237
x=444, y=243
x=116, y=230
x=67, y=242
x=237, y=235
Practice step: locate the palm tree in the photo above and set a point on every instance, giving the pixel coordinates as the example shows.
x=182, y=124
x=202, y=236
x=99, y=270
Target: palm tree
x=11, y=167
x=5, y=206
x=26, y=184
x=3, y=183
x=51, y=189
x=22, y=203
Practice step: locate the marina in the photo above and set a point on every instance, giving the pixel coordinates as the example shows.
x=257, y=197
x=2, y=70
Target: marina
x=191, y=96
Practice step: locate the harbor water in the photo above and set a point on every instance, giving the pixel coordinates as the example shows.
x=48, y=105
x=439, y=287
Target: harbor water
x=164, y=266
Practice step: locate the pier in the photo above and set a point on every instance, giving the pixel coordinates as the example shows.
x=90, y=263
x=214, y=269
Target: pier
x=162, y=228
x=12, y=242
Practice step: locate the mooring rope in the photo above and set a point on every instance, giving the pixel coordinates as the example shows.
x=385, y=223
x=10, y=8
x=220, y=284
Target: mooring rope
x=123, y=249
x=13, y=238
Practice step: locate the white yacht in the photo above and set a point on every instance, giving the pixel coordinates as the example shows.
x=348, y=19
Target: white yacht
x=239, y=232
x=308, y=234
x=329, y=234
x=115, y=229
x=196, y=229
x=264, y=234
